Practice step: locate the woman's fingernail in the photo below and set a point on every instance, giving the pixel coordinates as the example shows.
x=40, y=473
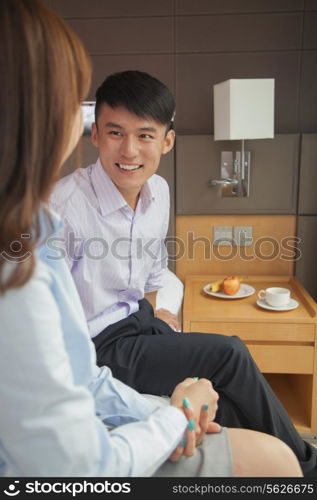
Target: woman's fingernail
x=191, y=425
x=205, y=407
x=183, y=443
x=195, y=378
x=186, y=403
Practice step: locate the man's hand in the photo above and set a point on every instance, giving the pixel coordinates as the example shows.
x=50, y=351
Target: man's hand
x=169, y=318
x=199, y=406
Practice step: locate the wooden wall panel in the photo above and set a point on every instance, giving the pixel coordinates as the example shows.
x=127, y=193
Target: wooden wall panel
x=311, y=5
x=233, y=6
x=268, y=254
x=273, y=178
x=118, y=35
x=308, y=175
x=106, y=8
x=310, y=31
x=308, y=94
x=206, y=33
x=306, y=266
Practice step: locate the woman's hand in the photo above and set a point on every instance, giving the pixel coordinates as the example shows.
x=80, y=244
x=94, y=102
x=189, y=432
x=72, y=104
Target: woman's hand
x=198, y=400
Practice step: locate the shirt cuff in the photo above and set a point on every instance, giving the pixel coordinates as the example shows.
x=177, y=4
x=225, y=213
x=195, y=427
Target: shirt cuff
x=175, y=417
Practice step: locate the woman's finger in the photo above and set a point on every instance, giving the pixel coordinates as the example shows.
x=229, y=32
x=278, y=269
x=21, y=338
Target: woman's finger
x=213, y=428
x=188, y=381
x=203, y=422
x=178, y=452
x=190, y=439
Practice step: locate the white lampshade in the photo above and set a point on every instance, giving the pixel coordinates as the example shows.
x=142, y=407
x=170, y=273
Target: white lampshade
x=244, y=109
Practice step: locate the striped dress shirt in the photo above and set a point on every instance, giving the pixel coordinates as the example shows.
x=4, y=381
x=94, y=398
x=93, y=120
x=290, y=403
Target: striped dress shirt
x=115, y=254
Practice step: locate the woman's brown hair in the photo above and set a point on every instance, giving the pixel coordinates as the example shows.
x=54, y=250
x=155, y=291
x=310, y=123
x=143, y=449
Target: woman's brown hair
x=45, y=74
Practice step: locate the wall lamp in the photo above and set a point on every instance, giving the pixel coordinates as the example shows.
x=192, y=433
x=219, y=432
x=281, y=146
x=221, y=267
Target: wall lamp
x=243, y=109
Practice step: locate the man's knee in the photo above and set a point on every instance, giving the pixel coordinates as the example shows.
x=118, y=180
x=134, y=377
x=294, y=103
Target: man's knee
x=238, y=344
x=232, y=343
x=221, y=345
x=239, y=348
x=234, y=348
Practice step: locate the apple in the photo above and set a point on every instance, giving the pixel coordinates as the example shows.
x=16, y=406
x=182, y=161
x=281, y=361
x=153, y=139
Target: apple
x=231, y=285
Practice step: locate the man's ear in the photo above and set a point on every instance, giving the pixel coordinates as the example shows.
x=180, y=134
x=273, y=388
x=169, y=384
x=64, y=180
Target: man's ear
x=168, y=142
x=94, y=135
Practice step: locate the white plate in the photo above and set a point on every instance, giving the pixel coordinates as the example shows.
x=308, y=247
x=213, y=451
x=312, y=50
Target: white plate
x=287, y=307
x=244, y=291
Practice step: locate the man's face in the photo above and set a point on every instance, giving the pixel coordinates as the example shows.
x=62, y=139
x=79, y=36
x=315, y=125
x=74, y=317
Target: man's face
x=129, y=148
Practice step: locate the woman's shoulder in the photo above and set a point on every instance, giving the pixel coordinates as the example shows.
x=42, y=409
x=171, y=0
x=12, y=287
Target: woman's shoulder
x=27, y=294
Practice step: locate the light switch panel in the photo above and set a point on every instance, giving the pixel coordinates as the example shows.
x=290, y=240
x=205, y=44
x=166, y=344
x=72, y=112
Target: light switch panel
x=222, y=235
x=243, y=236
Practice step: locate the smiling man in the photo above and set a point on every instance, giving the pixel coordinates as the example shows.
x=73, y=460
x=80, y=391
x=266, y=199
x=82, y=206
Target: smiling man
x=130, y=148
x=115, y=216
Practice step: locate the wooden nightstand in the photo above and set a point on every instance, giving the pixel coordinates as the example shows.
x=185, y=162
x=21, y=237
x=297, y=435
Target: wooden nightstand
x=283, y=344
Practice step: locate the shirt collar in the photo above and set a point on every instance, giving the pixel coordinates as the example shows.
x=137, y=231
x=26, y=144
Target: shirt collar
x=109, y=197
x=147, y=192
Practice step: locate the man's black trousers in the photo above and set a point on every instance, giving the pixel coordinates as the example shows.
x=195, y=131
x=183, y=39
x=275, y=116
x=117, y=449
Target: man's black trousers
x=146, y=354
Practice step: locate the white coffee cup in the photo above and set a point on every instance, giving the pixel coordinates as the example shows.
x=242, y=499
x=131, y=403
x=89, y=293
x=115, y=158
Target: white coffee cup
x=275, y=296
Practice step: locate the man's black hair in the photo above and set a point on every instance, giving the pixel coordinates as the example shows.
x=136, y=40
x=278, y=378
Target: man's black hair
x=140, y=93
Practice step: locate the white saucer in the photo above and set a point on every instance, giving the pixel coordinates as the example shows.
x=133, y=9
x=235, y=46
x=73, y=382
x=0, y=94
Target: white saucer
x=287, y=307
x=244, y=291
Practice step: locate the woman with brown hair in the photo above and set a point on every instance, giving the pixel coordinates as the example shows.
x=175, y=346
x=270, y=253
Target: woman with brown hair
x=55, y=401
